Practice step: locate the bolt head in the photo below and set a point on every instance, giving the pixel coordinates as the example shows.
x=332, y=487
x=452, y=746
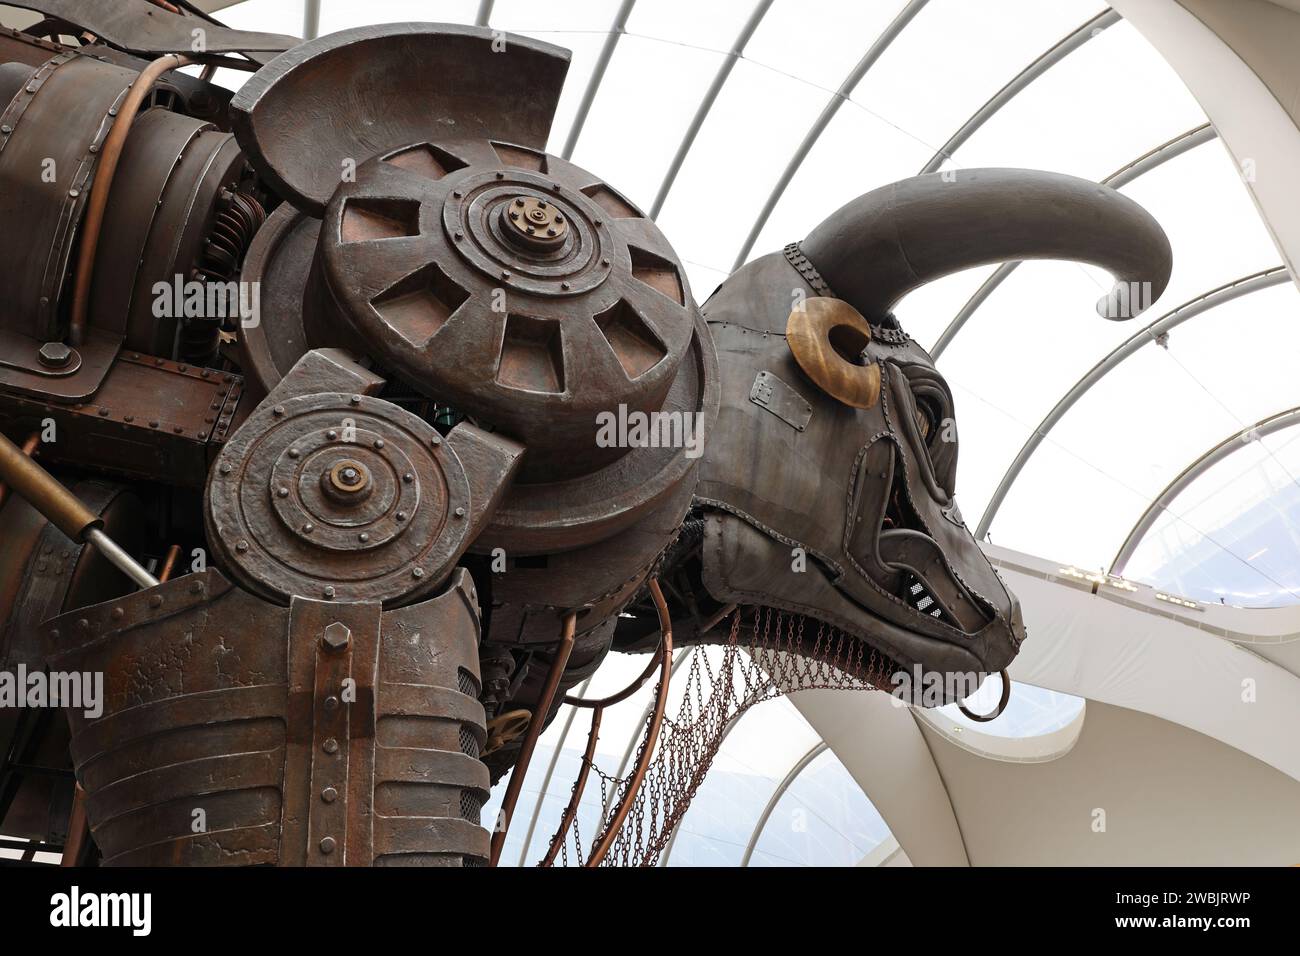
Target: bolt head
x=337, y=636
x=54, y=355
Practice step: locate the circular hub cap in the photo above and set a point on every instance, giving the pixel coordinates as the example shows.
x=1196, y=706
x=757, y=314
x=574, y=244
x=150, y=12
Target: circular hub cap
x=325, y=498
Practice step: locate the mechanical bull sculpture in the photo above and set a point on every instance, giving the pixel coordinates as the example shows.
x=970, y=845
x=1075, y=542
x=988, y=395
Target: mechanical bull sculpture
x=339, y=539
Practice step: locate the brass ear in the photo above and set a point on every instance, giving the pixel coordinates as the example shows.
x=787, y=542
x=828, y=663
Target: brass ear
x=827, y=337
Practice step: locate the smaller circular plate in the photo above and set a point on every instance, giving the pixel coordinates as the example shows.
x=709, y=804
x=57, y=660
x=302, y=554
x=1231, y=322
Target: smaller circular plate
x=342, y=497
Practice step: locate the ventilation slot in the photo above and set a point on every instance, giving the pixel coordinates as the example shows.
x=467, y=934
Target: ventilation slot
x=659, y=274
x=521, y=157
x=532, y=355
x=637, y=348
x=426, y=160
x=420, y=304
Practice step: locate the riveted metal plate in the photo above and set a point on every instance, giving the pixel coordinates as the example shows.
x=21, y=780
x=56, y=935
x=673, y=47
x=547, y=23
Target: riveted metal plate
x=781, y=400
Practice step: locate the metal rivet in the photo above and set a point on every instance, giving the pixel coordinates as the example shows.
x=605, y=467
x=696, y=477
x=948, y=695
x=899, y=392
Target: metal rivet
x=356, y=399
x=155, y=601
x=401, y=516
x=329, y=591
x=460, y=512
x=278, y=410
x=294, y=453
x=379, y=443
x=241, y=546
x=331, y=746
x=363, y=537
x=327, y=845
x=329, y=794
x=331, y=703
x=331, y=434
x=283, y=492
x=408, y=477
x=308, y=528
x=417, y=572
x=116, y=614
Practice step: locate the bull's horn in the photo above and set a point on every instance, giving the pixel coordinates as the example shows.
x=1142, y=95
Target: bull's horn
x=882, y=245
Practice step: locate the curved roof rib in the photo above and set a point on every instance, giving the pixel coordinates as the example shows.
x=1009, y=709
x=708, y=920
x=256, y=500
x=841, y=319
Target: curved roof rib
x=823, y=120
x=1203, y=303
x=1234, y=442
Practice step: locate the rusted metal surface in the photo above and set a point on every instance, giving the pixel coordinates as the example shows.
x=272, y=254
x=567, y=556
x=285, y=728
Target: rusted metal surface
x=298, y=132
x=288, y=762
x=110, y=155
x=151, y=419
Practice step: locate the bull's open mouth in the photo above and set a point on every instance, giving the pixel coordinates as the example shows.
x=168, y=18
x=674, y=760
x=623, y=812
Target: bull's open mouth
x=922, y=577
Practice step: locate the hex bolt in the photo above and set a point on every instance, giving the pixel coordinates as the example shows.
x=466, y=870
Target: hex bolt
x=337, y=636
x=54, y=355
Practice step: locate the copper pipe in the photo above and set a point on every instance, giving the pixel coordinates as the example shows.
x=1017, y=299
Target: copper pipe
x=579, y=785
x=561, y=660
x=169, y=563
x=78, y=829
x=64, y=510
x=29, y=447
x=44, y=493
x=624, y=694
x=110, y=154
x=602, y=845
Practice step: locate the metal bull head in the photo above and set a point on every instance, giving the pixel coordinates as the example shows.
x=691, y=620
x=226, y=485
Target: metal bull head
x=827, y=487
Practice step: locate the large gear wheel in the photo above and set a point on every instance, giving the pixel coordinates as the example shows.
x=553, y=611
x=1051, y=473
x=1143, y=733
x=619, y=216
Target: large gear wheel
x=339, y=497
x=512, y=285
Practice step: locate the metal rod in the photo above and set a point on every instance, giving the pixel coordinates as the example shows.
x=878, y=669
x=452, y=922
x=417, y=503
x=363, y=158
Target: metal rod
x=310, y=19
x=1230, y=445
x=120, y=559
x=593, y=85
x=109, y=156
x=800, y=765
x=550, y=772
x=516, y=784
x=606, y=840
x=579, y=785
x=1246, y=285
x=838, y=99
x=622, y=695
x=706, y=105
x=1059, y=51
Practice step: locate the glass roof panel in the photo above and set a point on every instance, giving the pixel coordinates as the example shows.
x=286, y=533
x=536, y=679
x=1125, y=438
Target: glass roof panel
x=645, y=105
x=823, y=819
x=580, y=26
x=1233, y=535
x=932, y=77
x=1031, y=711
x=761, y=749
x=1102, y=105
